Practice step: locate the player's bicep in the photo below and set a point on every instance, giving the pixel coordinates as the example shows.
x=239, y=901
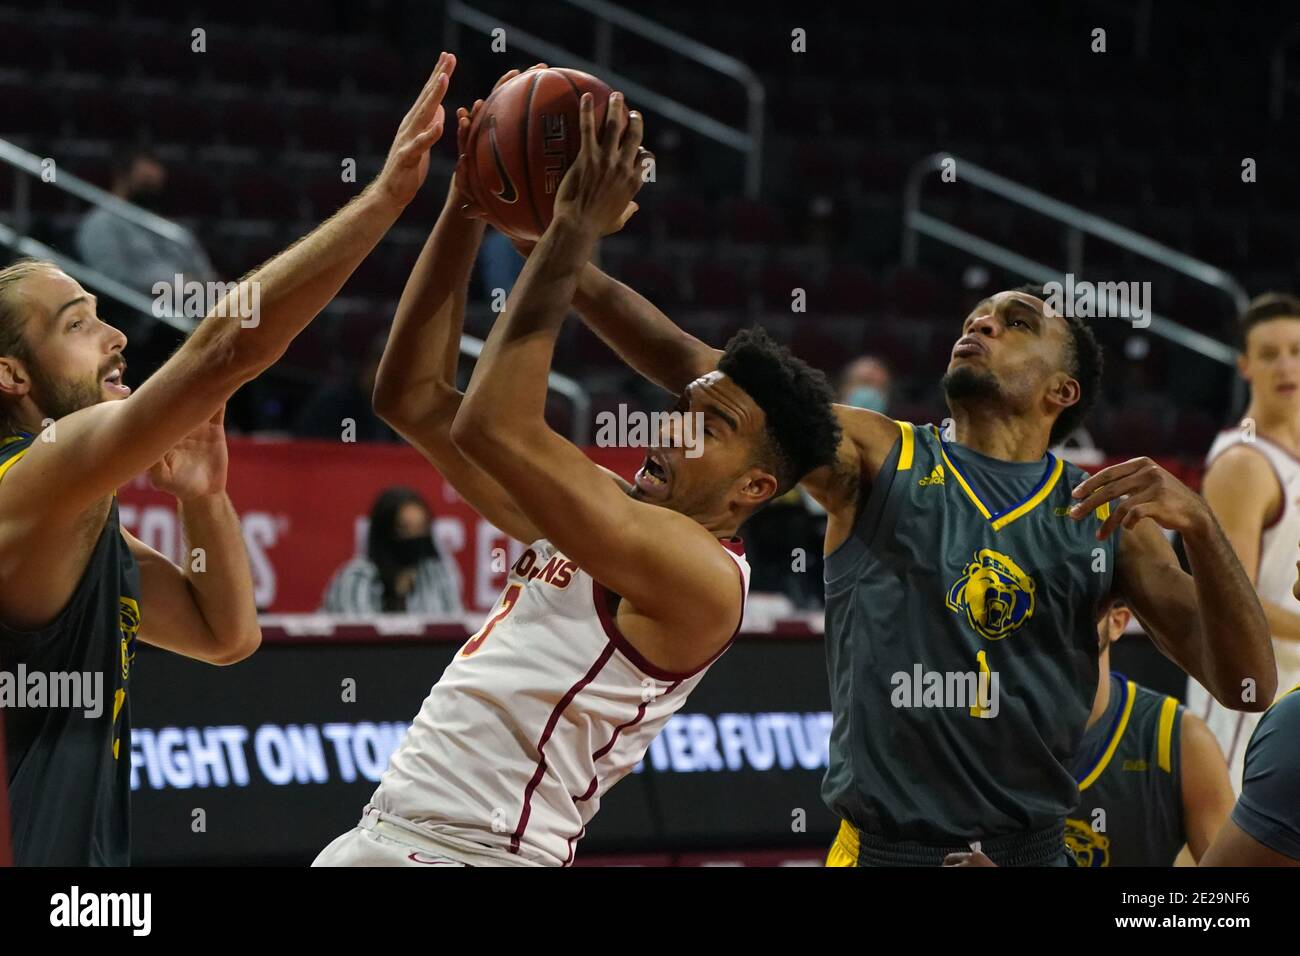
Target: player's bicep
x=1206, y=788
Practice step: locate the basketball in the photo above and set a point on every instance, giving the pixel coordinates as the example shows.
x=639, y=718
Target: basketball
x=522, y=142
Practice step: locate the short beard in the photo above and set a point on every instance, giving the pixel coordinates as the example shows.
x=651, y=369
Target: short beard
x=57, y=399
x=965, y=385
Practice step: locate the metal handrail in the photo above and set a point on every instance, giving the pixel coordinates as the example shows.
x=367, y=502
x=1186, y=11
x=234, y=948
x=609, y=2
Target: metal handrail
x=30, y=163
x=748, y=141
x=1077, y=221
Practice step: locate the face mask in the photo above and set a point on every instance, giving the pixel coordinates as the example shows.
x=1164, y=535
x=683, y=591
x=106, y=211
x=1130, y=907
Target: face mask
x=411, y=551
x=867, y=396
x=150, y=199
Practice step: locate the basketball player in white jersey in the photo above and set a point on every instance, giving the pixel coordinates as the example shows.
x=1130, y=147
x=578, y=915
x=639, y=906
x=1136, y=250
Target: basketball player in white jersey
x=624, y=596
x=1252, y=483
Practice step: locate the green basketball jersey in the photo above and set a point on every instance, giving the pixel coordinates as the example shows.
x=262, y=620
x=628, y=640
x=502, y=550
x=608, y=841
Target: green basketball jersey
x=1129, y=770
x=961, y=647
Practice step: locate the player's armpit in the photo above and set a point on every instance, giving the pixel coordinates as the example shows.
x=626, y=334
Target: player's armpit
x=668, y=566
x=865, y=442
x=1206, y=789
x=171, y=618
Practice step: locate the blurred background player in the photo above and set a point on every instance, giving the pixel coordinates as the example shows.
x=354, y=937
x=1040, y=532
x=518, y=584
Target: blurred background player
x=981, y=539
x=402, y=571
x=77, y=591
x=1154, y=771
x=624, y=596
x=1252, y=483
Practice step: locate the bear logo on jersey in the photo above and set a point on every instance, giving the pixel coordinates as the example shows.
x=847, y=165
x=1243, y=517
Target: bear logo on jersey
x=1088, y=847
x=996, y=595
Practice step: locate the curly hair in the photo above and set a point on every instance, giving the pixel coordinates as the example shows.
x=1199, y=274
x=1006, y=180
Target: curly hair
x=802, y=431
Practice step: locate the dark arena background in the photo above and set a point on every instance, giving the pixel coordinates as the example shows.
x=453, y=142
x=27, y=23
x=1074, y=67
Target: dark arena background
x=852, y=177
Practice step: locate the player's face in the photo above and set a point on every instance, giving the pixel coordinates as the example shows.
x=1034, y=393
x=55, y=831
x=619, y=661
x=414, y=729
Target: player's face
x=704, y=465
x=1271, y=363
x=1011, y=350
x=76, y=359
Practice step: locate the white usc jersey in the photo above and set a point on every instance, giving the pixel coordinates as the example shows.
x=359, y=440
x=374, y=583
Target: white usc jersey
x=1279, y=551
x=537, y=716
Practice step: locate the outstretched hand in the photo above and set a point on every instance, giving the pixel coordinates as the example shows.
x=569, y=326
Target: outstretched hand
x=1148, y=490
x=408, y=158
x=599, y=187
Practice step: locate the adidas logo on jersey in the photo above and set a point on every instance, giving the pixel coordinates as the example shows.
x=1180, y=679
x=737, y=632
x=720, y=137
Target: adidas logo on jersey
x=935, y=477
x=1139, y=765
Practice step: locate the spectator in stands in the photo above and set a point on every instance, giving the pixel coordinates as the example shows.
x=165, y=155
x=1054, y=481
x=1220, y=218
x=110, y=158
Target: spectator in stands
x=864, y=383
x=402, y=570
x=132, y=254
x=328, y=411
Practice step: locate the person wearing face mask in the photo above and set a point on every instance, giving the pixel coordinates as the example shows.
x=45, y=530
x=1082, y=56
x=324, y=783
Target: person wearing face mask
x=130, y=253
x=401, y=571
x=865, y=384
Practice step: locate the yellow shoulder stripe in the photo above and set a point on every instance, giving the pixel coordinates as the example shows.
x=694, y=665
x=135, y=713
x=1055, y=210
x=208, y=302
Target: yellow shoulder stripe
x=1114, y=740
x=10, y=463
x=1165, y=748
x=909, y=446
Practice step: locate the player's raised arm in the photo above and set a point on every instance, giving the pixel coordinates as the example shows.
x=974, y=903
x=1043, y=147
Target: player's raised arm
x=650, y=342
x=1210, y=622
x=415, y=388
x=637, y=550
x=98, y=448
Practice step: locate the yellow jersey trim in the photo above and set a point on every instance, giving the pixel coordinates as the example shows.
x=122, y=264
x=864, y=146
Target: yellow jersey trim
x=10, y=463
x=1114, y=740
x=844, y=851
x=1033, y=502
x=1020, y=510
x=908, y=449
x=1165, y=748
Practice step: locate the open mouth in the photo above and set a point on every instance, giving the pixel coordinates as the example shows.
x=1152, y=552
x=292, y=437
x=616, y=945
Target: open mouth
x=653, y=477
x=967, y=347
x=113, y=382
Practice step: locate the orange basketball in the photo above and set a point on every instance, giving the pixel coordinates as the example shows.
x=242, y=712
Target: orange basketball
x=521, y=143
